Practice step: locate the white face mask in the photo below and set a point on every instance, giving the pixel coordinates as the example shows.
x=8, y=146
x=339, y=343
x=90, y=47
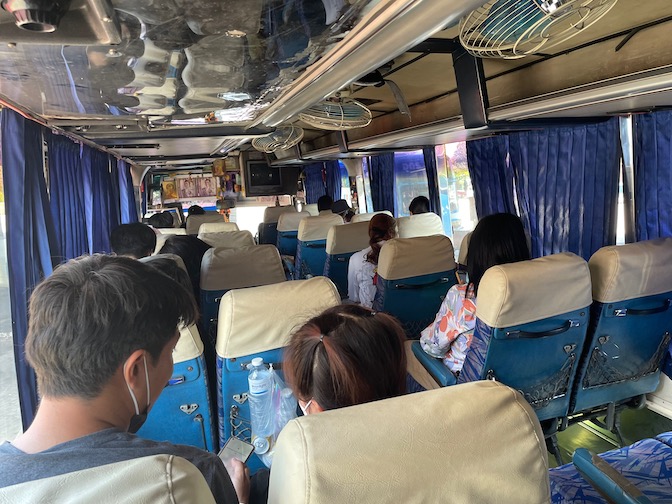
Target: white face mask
x=304, y=409
x=139, y=419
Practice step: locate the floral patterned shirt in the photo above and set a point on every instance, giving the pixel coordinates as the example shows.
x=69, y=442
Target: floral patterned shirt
x=449, y=336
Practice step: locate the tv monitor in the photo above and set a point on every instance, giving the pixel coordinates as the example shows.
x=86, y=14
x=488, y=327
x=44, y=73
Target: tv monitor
x=262, y=179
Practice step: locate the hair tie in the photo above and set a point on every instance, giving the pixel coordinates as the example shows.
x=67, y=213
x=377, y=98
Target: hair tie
x=321, y=338
x=373, y=313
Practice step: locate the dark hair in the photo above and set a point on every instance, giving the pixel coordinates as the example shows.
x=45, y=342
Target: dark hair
x=92, y=313
x=381, y=227
x=136, y=240
x=497, y=239
x=161, y=220
x=324, y=203
x=195, y=210
x=191, y=250
x=345, y=356
x=172, y=266
x=419, y=205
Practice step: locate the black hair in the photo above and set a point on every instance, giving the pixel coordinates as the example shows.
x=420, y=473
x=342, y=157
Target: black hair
x=135, y=240
x=191, y=250
x=161, y=220
x=92, y=313
x=419, y=205
x=324, y=203
x=497, y=239
x=195, y=210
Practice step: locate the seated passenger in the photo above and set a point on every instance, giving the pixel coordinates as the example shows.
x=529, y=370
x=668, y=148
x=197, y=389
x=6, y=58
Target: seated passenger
x=345, y=356
x=191, y=250
x=362, y=268
x=134, y=240
x=342, y=208
x=100, y=339
x=324, y=204
x=195, y=210
x=419, y=205
x=497, y=239
x=161, y=220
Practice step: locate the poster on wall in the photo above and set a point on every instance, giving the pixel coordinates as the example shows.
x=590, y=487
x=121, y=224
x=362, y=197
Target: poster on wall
x=169, y=190
x=186, y=188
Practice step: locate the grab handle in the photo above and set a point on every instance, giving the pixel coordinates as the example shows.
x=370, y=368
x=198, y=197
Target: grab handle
x=422, y=285
x=650, y=311
x=542, y=334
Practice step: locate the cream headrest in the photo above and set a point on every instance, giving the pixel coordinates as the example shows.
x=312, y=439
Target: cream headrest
x=472, y=443
x=366, y=217
x=229, y=239
x=426, y=224
x=634, y=270
x=157, y=478
x=162, y=236
x=223, y=268
x=290, y=221
x=172, y=231
x=316, y=228
x=351, y=237
x=311, y=208
x=263, y=318
x=273, y=213
x=410, y=257
x=217, y=227
x=189, y=345
x=194, y=221
x=522, y=292
x=464, y=248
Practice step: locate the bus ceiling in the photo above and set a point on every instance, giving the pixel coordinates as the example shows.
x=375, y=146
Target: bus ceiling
x=181, y=83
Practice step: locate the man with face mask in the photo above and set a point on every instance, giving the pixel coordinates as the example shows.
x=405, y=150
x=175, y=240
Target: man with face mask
x=101, y=335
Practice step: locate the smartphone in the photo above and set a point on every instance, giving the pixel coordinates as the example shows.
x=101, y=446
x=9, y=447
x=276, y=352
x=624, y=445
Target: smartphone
x=236, y=448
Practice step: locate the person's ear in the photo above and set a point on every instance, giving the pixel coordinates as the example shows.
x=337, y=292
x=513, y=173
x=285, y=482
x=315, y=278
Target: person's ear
x=315, y=407
x=134, y=371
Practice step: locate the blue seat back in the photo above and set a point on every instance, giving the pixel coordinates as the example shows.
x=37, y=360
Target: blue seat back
x=183, y=413
x=260, y=326
x=414, y=275
x=531, y=324
x=268, y=229
x=342, y=242
x=631, y=326
x=288, y=228
x=311, y=244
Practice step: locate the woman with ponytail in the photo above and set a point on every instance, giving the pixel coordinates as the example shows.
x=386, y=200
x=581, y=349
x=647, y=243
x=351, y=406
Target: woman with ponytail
x=363, y=265
x=345, y=356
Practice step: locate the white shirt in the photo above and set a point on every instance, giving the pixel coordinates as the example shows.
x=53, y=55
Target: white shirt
x=355, y=266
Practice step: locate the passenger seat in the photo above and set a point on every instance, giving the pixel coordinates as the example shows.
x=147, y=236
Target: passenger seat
x=366, y=217
x=268, y=232
x=426, y=224
x=228, y=239
x=311, y=244
x=194, y=221
x=342, y=242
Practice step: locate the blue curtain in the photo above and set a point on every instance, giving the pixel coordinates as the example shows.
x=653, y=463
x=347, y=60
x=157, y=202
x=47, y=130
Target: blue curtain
x=491, y=175
x=567, y=186
x=653, y=177
x=314, y=182
x=66, y=191
x=101, y=199
x=31, y=238
x=334, y=179
x=432, y=180
x=382, y=182
x=128, y=208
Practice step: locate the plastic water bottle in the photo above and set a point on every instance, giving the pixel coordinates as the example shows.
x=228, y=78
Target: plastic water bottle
x=260, y=382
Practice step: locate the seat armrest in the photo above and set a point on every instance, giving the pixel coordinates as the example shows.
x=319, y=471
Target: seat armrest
x=606, y=480
x=434, y=366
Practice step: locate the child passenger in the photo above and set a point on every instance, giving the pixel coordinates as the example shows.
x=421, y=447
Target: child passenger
x=497, y=239
x=345, y=356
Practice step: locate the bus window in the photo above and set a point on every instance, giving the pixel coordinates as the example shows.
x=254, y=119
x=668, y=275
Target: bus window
x=410, y=180
x=10, y=420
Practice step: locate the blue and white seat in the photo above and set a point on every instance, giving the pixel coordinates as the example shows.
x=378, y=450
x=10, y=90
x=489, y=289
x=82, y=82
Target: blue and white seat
x=311, y=244
x=228, y=239
x=157, y=478
x=288, y=228
x=342, y=242
x=426, y=224
x=268, y=232
x=366, y=217
x=414, y=275
x=630, y=328
x=258, y=322
x=426, y=447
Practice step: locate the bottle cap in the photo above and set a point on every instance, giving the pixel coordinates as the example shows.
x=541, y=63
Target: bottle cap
x=257, y=361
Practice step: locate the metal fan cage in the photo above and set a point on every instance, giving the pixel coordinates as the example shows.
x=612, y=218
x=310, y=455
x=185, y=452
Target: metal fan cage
x=284, y=137
x=337, y=115
x=513, y=29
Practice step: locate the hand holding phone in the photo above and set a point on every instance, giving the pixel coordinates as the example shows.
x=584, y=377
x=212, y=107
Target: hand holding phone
x=236, y=449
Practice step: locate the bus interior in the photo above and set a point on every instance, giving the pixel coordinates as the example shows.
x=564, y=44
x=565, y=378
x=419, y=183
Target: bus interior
x=555, y=110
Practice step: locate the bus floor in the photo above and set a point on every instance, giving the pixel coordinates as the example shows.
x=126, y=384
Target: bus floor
x=635, y=425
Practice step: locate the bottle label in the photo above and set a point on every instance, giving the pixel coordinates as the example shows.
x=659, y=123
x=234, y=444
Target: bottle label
x=257, y=387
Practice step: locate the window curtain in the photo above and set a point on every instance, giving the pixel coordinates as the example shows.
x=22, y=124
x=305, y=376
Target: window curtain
x=382, y=182
x=429, y=154
x=31, y=238
x=66, y=191
x=653, y=178
x=314, y=182
x=567, y=186
x=128, y=209
x=102, y=214
x=334, y=179
x=491, y=175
